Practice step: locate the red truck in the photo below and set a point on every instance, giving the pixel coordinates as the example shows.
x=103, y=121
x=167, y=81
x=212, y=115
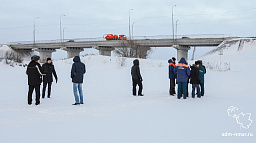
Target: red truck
x=114, y=37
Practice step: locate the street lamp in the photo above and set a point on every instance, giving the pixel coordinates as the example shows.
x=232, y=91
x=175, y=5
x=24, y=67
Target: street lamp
x=132, y=30
x=34, y=32
x=173, y=24
x=61, y=29
x=64, y=33
x=130, y=24
x=176, y=28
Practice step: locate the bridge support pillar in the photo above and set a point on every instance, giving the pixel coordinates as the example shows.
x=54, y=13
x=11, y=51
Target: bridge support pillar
x=182, y=52
x=105, y=50
x=44, y=53
x=72, y=51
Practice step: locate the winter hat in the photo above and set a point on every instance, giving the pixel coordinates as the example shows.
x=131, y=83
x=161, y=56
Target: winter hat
x=48, y=59
x=197, y=62
x=35, y=58
x=173, y=59
x=200, y=62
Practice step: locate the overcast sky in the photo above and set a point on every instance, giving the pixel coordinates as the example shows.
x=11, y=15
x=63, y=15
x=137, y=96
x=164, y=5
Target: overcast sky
x=94, y=18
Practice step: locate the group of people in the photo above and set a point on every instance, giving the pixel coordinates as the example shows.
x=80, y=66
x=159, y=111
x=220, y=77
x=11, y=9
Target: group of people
x=183, y=74
x=38, y=74
x=180, y=74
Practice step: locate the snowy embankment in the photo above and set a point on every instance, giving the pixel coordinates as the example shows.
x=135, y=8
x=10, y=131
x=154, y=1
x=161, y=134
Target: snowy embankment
x=231, y=54
x=112, y=115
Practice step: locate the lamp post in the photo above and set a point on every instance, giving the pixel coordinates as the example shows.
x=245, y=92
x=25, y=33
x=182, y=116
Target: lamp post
x=176, y=29
x=63, y=33
x=61, y=30
x=132, y=30
x=173, y=24
x=34, y=32
x=130, y=23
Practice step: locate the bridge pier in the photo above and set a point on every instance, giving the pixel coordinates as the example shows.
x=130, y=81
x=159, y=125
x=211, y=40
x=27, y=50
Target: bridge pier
x=105, y=50
x=182, y=52
x=72, y=51
x=44, y=53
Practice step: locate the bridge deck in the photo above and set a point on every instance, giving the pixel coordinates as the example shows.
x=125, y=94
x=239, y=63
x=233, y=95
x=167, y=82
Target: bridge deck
x=120, y=43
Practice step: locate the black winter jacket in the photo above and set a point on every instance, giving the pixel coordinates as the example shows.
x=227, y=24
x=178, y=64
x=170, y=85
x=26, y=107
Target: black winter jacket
x=48, y=70
x=135, y=71
x=78, y=70
x=204, y=68
x=34, y=72
x=195, y=75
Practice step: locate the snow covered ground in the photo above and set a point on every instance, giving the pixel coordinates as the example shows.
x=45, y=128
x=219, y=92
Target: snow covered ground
x=112, y=115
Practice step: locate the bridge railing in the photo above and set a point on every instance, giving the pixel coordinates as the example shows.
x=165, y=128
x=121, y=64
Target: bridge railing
x=32, y=42
x=58, y=41
x=181, y=36
x=84, y=39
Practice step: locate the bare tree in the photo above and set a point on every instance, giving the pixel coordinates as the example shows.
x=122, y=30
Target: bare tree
x=12, y=56
x=133, y=50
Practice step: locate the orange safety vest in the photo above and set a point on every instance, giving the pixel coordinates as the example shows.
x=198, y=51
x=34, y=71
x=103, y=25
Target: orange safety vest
x=172, y=64
x=182, y=64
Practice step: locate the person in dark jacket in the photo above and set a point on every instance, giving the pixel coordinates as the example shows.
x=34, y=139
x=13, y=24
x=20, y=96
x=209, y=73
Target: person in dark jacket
x=182, y=71
x=202, y=71
x=172, y=76
x=195, y=80
x=34, y=72
x=77, y=74
x=48, y=70
x=136, y=78
x=201, y=63
x=187, y=82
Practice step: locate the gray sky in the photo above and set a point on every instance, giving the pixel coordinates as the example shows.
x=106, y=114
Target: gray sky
x=94, y=18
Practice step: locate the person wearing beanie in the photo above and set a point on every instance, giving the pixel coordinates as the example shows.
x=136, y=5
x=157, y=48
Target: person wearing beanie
x=202, y=71
x=182, y=72
x=48, y=70
x=174, y=59
x=172, y=76
x=34, y=72
x=201, y=63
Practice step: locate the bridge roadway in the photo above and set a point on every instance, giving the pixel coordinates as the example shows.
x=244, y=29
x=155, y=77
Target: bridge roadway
x=119, y=43
x=73, y=48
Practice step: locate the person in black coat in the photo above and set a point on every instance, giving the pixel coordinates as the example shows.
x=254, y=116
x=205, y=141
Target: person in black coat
x=195, y=80
x=77, y=74
x=48, y=70
x=34, y=72
x=136, y=77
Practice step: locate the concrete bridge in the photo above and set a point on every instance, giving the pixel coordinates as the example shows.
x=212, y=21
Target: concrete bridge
x=74, y=47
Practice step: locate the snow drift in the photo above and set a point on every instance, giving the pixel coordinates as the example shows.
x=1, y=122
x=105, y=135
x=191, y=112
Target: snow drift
x=235, y=52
